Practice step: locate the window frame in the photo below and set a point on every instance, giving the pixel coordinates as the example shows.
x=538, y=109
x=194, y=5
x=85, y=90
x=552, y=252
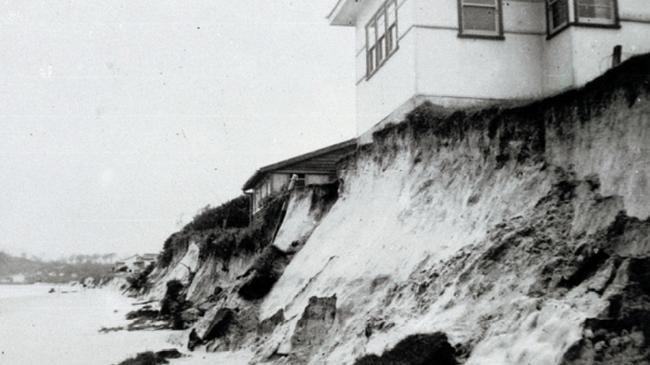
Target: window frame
x=498, y=34
x=614, y=23
x=301, y=180
x=550, y=32
x=574, y=19
x=381, y=41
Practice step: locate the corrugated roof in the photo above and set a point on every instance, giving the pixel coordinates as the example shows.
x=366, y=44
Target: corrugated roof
x=261, y=172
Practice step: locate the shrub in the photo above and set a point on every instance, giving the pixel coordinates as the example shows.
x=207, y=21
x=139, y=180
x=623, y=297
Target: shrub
x=140, y=281
x=175, y=242
x=220, y=243
x=232, y=214
x=266, y=270
x=174, y=298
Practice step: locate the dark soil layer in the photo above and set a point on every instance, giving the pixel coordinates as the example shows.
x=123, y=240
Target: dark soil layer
x=422, y=349
x=514, y=133
x=266, y=270
x=313, y=327
x=174, y=304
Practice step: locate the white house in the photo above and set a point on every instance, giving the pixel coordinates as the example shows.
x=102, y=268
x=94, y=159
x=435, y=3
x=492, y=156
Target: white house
x=464, y=52
x=135, y=263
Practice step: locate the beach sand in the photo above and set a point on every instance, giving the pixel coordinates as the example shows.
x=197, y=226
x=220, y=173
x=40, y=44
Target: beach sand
x=62, y=328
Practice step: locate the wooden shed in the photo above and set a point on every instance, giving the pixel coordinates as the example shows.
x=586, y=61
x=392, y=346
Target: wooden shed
x=313, y=168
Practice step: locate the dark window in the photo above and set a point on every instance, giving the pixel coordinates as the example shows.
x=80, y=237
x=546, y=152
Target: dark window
x=558, y=15
x=480, y=17
x=300, y=181
x=596, y=11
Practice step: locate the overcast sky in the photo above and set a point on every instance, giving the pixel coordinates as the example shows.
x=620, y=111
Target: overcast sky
x=120, y=119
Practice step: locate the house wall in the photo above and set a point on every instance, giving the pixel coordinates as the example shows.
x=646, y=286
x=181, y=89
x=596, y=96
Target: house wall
x=558, y=71
x=462, y=68
x=271, y=184
x=449, y=67
x=278, y=181
x=318, y=179
x=432, y=63
x=392, y=84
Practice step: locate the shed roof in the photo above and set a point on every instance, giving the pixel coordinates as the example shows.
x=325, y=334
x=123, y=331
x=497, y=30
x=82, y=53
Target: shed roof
x=322, y=160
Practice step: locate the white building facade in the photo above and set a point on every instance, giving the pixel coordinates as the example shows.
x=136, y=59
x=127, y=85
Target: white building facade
x=457, y=53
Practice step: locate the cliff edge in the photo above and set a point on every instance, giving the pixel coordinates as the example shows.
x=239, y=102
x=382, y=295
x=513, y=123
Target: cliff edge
x=508, y=235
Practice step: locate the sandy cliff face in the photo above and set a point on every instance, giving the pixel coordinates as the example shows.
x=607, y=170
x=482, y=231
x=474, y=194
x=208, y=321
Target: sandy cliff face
x=503, y=236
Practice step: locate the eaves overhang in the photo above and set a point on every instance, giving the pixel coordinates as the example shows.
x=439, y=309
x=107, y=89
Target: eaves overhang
x=263, y=171
x=345, y=13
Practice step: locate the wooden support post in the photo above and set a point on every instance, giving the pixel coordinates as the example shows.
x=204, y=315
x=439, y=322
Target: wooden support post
x=617, y=55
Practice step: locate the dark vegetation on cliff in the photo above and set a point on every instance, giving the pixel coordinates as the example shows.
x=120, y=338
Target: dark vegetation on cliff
x=266, y=270
x=227, y=231
x=221, y=232
x=229, y=216
x=139, y=281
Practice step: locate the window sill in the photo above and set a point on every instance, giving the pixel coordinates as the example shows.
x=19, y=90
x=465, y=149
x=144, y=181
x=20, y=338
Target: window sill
x=552, y=34
x=495, y=37
x=616, y=25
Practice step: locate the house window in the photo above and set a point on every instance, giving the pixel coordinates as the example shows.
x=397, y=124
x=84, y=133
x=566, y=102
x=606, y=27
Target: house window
x=381, y=36
x=558, y=15
x=480, y=18
x=300, y=181
x=596, y=11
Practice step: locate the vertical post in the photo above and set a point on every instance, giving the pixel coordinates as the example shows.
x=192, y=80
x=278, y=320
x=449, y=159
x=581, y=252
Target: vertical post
x=617, y=55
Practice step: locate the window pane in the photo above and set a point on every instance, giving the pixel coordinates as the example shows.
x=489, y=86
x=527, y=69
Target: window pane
x=391, y=38
x=479, y=18
x=381, y=24
x=380, y=50
x=370, y=62
x=371, y=34
x=559, y=13
x=391, y=12
x=600, y=9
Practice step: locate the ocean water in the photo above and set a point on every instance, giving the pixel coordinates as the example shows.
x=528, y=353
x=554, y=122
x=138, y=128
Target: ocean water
x=62, y=328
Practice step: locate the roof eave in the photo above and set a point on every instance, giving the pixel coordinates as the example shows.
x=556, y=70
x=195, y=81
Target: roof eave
x=252, y=181
x=344, y=13
x=261, y=172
